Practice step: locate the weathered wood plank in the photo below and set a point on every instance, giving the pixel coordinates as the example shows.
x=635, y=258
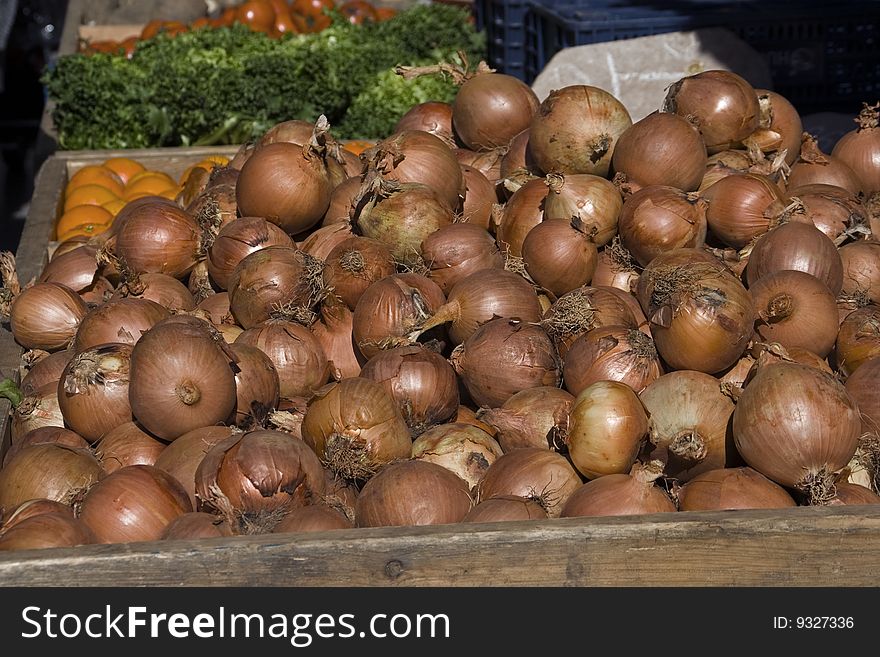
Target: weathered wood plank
x=836, y=546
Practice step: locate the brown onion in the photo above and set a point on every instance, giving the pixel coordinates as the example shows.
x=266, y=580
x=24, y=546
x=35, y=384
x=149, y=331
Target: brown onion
x=43, y=435
x=453, y=252
x=858, y=339
x=135, y=503
x=419, y=380
x=724, y=163
x=795, y=309
x=355, y=427
x=46, y=316
x=41, y=409
x=334, y=332
x=479, y=197
x=582, y=310
x=47, y=530
x=559, y=256
x=313, y=518
x=659, y=218
x=506, y=508
x=238, y=239
x=319, y=243
x=391, y=309
x=487, y=163
x=576, y=130
x=295, y=352
x=815, y=166
x=503, y=357
x=861, y=269
x=93, y=390
x=216, y=309
x=846, y=494
x=47, y=368
x=47, y=471
x=294, y=131
x=781, y=122
x=431, y=116
x=181, y=458
x=354, y=264
x=798, y=246
x=594, y=201
x=276, y=281
x=127, y=444
x=79, y=270
x=250, y=478
x=341, y=200
x=742, y=206
x=611, y=353
x=796, y=425
x=118, y=320
x=196, y=525
x=461, y=448
x=257, y=386
x=724, y=105
x=411, y=493
x=518, y=156
x=165, y=290
x=607, y=426
x=690, y=417
x=180, y=378
x=535, y=417
x=535, y=473
x=833, y=210
x=701, y=315
x=860, y=149
x=616, y=268
x=523, y=211
x=661, y=149
x=31, y=509
x=732, y=488
x=635, y=493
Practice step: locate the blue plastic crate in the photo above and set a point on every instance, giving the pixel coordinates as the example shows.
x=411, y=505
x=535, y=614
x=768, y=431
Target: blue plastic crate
x=504, y=24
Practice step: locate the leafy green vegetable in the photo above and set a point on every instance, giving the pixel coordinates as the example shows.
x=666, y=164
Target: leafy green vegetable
x=230, y=85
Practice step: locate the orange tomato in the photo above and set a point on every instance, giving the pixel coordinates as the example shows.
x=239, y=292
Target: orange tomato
x=95, y=174
x=311, y=13
x=384, y=13
x=79, y=218
x=89, y=195
x=227, y=17
x=257, y=15
x=358, y=11
x=124, y=167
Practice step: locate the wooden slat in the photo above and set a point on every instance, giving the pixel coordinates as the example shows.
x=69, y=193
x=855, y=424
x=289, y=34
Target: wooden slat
x=836, y=546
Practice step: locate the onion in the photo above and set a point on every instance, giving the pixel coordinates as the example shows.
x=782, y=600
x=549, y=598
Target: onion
x=506, y=508
x=661, y=149
x=690, y=417
x=257, y=386
x=576, y=130
x=742, y=206
x=276, y=281
x=454, y=251
x=421, y=382
x=732, y=488
x=196, y=525
x=431, y=116
x=861, y=269
x=46, y=316
x=118, y=320
x=461, y=448
x=391, y=309
x=535, y=417
x=466, y=415
x=165, y=290
x=355, y=427
x=181, y=458
x=48, y=530
x=724, y=105
x=796, y=425
x=774, y=352
x=523, y=211
x=858, y=339
x=629, y=494
x=800, y=247
x=518, y=157
x=238, y=239
x=339, y=494
x=313, y=518
x=535, y=473
x=795, y=309
x=127, y=444
x=559, y=256
x=611, y=353
x=815, y=166
x=47, y=369
x=341, y=201
x=252, y=479
x=412, y=493
x=594, y=201
x=32, y=509
x=294, y=131
x=860, y=149
x=40, y=409
x=43, y=435
x=615, y=268
x=833, y=210
x=852, y=494
x=135, y=503
x=287, y=184
x=216, y=205
x=334, y=332
x=657, y=218
x=354, y=264
x=482, y=295
x=295, y=352
x=488, y=163
x=781, y=122
x=581, y=310
x=79, y=270
x=725, y=163
x=479, y=197
x=607, y=426
x=158, y=237
x=180, y=378
x=319, y=243
x=48, y=471
x=503, y=357
x=701, y=315
x=216, y=309
x=93, y=390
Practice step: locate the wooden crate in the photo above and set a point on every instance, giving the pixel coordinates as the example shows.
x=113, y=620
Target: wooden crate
x=832, y=546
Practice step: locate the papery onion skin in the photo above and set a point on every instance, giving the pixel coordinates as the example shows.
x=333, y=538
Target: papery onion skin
x=796, y=425
x=559, y=257
x=238, y=239
x=620, y=495
x=860, y=149
x=196, y=525
x=47, y=471
x=43, y=435
x=535, y=417
x=490, y=109
x=31, y=509
x=461, y=448
x=846, y=494
x=431, y=116
x=159, y=238
x=46, y=316
x=118, y=320
x=257, y=386
x=732, y=488
x=595, y=201
x=534, y=473
x=455, y=251
x=611, y=353
x=77, y=269
x=861, y=269
x=334, y=332
x=858, y=339
x=582, y=310
x=412, y=493
x=134, y=503
x=127, y=444
x=814, y=166
x=480, y=196
x=741, y=207
x=523, y=211
x=165, y=290
x=48, y=530
x=505, y=508
x=47, y=369
x=40, y=409
x=339, y=211
x=835, y=211
x=313, y=518
x=320, y=242
x=354, y=264
x=783, y=119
